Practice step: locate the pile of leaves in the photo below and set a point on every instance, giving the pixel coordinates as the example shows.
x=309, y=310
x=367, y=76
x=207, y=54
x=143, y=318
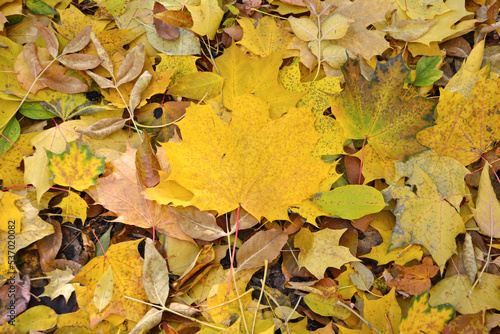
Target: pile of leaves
x=289, y=166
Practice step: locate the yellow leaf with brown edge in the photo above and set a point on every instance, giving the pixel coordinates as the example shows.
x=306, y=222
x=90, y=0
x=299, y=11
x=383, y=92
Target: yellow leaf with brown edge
x=263, y=165
x=76, y=168
x=465, y=128
x=126, y=263
x=422, y=316
x=259, y=77
x=121, y=193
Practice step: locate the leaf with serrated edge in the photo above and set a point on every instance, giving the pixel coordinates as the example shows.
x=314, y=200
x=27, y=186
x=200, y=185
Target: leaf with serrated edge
x=79, y=42
x=155, y=275
x=198, y=224
x=104, y=290
x=262, y=246
x=50, y=39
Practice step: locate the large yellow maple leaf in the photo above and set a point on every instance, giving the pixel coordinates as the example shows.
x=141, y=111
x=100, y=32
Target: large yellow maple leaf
x=261, y=164
x=465, y=128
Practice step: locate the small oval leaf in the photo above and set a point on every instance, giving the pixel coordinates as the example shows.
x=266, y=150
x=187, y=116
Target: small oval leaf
x=79, y=42
x=351, y=201
x=263, y=245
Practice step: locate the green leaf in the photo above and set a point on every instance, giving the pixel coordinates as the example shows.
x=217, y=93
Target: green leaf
x=34, y=110
x=426, y=74
x=104, y=241
x=12, y=131
x=351, y=201
x=40, y=7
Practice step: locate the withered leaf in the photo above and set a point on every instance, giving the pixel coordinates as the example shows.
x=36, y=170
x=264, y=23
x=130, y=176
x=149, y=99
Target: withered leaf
x=80, y=61
x=132, y=65
x=198, y=224
x=101, y=52
x=50, y=39
x=64, y=84
x=264, y=245
x=140, y=85
x=79, y=42
x=103, y=128
x=101, y=81
x=147, y=163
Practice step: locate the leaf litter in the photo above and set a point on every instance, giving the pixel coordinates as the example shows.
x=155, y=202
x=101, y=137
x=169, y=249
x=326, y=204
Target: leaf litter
x=316, y=166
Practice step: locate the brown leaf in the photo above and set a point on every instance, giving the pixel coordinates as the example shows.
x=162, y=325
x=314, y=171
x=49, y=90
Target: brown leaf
x=31, y=57
x=198, y=224
x=103, y=128
x=101, y=52
x=49, y=246
x=263, y=245
x=457, y=47
x=101, y=81
x=121, y=193
x=79, y=42
x=132, y=65
x=64, y=84
x=80, y=62
x=21, y=296
x=147, y=164
x=165, y=29
x=140, y=85
x=246, y=220
x=50, y=39
x=414, y=280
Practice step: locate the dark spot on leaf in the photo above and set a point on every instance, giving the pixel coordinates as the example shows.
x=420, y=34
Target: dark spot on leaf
x=158, y=112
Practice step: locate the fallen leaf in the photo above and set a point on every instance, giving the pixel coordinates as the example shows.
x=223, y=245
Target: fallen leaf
x=261, y=247
x=121, y=193
x=373, y=110
x=252, y=175
x=422, y=315
x=416, y=279
x=320, y=250
x=487, y=212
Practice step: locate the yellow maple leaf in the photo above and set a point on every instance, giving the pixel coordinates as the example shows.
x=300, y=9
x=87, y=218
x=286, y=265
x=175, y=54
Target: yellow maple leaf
x=425, y=218
x=263, y=165
x=76, y=168
x=320, y=250
x=422, y=317
x=246, y=76
x=465, y=128
x=126, y=264
x=265, y=39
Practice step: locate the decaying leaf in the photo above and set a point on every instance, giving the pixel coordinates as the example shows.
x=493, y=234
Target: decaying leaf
x=263, y=246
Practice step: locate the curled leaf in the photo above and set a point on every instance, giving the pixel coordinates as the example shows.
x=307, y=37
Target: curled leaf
x=103, y=128
x=79, y=42
x=80, y=61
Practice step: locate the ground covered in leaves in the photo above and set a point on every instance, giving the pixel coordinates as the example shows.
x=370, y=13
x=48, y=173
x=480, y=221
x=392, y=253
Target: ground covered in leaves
x=285, y=166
